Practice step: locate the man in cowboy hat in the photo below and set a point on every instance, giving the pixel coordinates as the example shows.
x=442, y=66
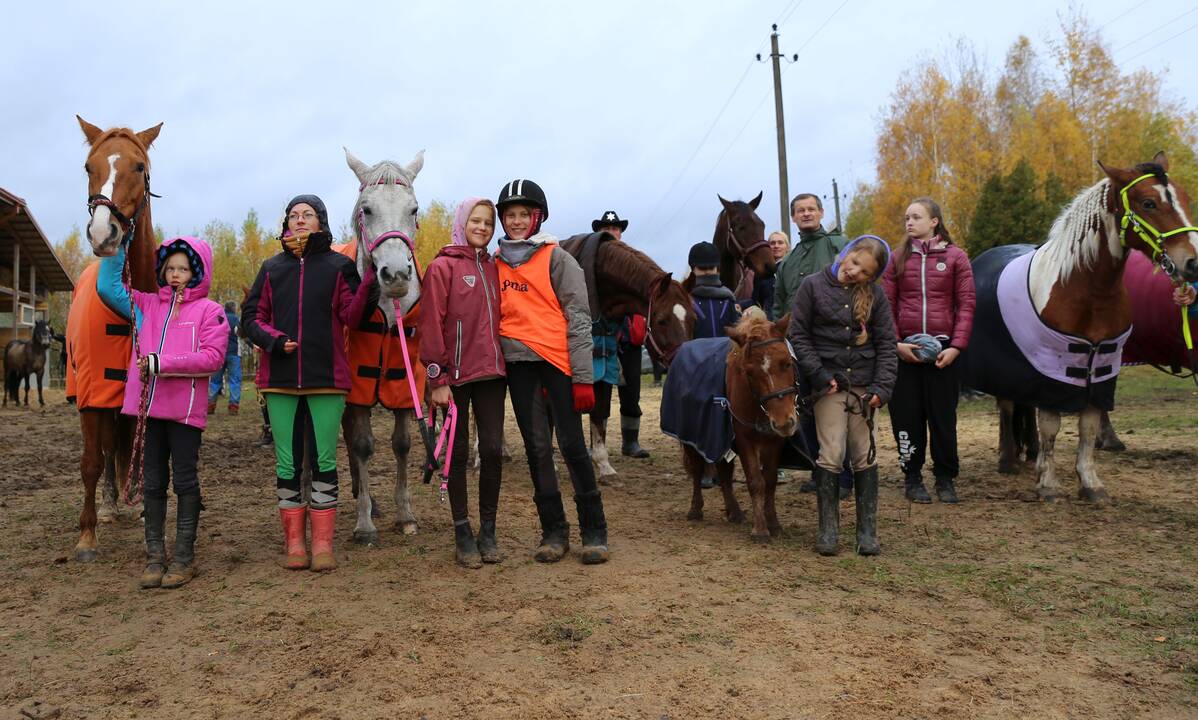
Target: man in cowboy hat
x=631, y=338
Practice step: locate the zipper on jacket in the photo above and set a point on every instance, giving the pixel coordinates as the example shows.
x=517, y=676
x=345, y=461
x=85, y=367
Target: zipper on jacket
x=161, y=343
x=299, y=340
x=490, y=320
x=457, y=354
x=923, y=290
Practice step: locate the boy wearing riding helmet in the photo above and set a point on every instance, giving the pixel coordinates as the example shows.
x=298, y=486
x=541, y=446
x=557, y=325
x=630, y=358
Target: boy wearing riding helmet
x=297, y=310
x=545, y=333
x=181, y=341
x=459, y=330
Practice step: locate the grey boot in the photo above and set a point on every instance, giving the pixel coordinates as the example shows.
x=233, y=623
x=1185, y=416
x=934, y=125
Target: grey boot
x=154, y=512
x=466, y=552
x=488, y=548
x=592, y=526
x=865, y=486
x=630, y=430
x=555, y=531
x=827, y=493
x=187, y=521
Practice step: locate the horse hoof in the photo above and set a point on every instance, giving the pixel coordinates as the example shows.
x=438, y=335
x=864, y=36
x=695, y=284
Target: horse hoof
x=736, y=518
x=407, y=528
x=363, y=537
x=1048, y=496
x=86, y=556
x=1098, y=496
x=1112, y=446
x=1008, y=468
x=775, y=530
x=610, y=481
x=694, y=515
x=761, y=539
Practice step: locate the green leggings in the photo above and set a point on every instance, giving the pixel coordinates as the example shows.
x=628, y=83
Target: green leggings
x=294, y=418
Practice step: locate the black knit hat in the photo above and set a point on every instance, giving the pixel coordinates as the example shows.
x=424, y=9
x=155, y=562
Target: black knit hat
x=317, y=204
x=703, y=255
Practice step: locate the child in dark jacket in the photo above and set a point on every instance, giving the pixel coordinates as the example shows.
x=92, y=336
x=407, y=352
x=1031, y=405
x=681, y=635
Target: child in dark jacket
x=715, y=305
x=844, y=338
x=459, y=330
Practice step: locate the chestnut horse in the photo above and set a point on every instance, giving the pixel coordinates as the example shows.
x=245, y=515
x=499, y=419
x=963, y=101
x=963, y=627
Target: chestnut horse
x=740, y=238
x=1055, y=341
x=118, y=181
x=628, y=282
x=761, y=394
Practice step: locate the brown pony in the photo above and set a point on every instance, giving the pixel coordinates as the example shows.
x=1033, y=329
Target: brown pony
x=118, y=181
x=740, y=238
x=761, y=389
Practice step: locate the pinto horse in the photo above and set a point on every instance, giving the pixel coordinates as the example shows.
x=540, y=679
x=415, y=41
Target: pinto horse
x=621, y=281
x=385, y=221
x=753, y=400
x=740, y=238
x=99, y=337
x=1051, y=321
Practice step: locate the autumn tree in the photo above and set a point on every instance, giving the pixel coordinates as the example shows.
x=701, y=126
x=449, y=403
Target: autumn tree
x=74, y=259
x=435, y=232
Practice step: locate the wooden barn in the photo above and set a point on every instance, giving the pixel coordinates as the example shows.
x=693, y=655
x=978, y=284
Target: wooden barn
x=29, y=270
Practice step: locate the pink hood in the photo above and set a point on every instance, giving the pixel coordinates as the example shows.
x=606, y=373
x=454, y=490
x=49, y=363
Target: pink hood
x=458, y=236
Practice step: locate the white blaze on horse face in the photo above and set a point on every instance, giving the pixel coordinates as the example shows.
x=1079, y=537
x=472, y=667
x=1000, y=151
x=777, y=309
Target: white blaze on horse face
x=1181, y=212
x=680, y=313
x=98, y=228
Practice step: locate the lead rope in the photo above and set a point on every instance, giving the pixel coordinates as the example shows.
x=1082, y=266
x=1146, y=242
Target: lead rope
x=135, y=481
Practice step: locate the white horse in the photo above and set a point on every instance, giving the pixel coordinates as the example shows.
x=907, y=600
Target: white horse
x=386, y=207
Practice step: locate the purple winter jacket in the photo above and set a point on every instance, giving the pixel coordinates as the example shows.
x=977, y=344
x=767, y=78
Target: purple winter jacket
x=189, y=347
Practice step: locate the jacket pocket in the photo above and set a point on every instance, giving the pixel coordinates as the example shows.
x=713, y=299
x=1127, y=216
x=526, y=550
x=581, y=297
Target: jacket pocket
x=457, y=353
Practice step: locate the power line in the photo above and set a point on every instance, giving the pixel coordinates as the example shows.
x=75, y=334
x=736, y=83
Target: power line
x=1131, y=9
x=1150, y=32
x=821, y=27
x=1162, y=42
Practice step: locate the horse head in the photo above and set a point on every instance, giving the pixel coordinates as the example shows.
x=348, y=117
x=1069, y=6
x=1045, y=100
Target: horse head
x=1152, y=213
x=671, y=318
x=767, y=363
x=385, y=220
x=118, y=182
x=42, y=334
x=740, y=238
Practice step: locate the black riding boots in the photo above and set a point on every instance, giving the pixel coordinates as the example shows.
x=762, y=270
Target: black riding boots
x=555, y=531
x=865, y=486
x=466, y=553
x=630, y=430
x=827, y=495
x=187, y=520
x=154, y=514
x=592, y=526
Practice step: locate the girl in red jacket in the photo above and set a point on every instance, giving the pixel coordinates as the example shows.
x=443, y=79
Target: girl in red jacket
x=929, y=284
x=459, y=330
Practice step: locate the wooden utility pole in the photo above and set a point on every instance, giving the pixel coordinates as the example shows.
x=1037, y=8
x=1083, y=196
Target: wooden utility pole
x=783, y=191
x=836, y=202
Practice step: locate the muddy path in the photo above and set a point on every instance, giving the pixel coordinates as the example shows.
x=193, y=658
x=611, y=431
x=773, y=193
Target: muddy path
x=997, y=608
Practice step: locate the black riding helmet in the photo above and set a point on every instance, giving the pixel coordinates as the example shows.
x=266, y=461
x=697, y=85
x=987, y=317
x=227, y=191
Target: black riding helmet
x=524, y=192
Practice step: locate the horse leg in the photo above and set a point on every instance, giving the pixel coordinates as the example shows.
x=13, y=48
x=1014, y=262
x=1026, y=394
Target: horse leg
x=1026, y=433
x=1008, y=450
x=109, y=431
x=769, y=471
x=91, y=464
x=732, y=511
x=750, y=462
x=401, y=444
x=607, y=473
x=693, y=464
x=1107, y=438
x=359, y=440
x=1046, y=477
x=1092, y=489
x=26, y=389
x=41, y=400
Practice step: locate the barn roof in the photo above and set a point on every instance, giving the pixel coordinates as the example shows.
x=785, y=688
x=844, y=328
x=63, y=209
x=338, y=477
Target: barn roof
x=18, y=226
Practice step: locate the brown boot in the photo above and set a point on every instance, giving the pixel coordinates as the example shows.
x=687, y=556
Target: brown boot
x=183, y=563
x=234, y=408
x=324, y=524
x=295, y=555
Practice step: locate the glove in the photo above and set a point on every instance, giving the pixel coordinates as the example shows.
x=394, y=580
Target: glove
x=584, y=398
x=636, y=329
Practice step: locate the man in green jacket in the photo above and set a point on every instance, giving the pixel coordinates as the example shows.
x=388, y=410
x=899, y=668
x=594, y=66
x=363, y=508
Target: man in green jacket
x=816, y=249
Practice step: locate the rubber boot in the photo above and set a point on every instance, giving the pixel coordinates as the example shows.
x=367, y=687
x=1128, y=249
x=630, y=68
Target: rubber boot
x=827, y=495
x=324, y=525
x=555, y=531
x=488, y=548
x=267, y=439
x=630, y=430
x=234, y=408
x=295, y=554
x=809, y=486
x=154, y=510
x=865, y=487
x=187, y=520
x=466, y=553
x=211, y=407
x=946, y=491
x=915, y=491
x=592, y=526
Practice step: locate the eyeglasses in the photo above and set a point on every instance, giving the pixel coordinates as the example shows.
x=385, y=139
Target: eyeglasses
x=309, y=215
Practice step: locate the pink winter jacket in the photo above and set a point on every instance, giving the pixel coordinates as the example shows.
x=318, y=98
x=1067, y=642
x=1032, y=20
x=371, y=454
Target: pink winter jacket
x=188, y=347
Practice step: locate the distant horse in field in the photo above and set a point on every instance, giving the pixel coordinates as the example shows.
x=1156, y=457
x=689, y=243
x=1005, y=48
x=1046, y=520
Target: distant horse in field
x=99, y=338
x=1051, y=321
x=736, y=393
x=622, y=280
x=23, y=358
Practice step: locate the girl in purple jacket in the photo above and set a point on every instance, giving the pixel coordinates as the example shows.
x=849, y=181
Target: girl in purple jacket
x=459, y=343
x=181, y=341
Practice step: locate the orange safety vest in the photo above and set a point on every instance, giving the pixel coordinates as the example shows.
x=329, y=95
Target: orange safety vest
x=529, y=310
x=376, y=369
x=99, y=345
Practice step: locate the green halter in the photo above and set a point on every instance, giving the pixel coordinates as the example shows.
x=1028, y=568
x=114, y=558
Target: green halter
x=1154, y=238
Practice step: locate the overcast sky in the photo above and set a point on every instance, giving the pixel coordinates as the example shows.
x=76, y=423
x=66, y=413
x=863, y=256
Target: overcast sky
x=603, y=104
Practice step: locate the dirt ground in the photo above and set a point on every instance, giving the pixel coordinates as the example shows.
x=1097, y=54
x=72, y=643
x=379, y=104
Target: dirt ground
x=1000, y=607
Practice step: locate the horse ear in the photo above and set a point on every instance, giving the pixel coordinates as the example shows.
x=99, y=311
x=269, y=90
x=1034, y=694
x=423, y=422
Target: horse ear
x=727, y=205
x=414, y=167
x=1162, y=160
x=91, y=132
x=756, y=201
x=360, y=168
x=149, y=135
x=782, y=324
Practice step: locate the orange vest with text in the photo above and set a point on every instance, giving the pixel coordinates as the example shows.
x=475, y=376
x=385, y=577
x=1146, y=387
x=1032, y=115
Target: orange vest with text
x=529, y=310
x=99, y=344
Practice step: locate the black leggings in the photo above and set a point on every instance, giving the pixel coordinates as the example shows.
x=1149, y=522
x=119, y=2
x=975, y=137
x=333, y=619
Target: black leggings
x=630, y=391
x=487, y=397
x=926, y=397
x=526, y=380
x=171, y=452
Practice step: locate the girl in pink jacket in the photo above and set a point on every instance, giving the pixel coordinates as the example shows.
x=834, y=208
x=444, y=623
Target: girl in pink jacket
x=181, y=341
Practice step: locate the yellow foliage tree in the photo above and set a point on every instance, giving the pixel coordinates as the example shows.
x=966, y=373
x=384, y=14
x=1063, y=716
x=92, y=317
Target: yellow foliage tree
x=74, y=259
x=435, y=232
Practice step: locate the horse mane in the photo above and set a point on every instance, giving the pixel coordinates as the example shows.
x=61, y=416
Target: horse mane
x=754, y=326
x=1076, y=234
x=625, y=261
x=386, y=172
x=127, y=134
